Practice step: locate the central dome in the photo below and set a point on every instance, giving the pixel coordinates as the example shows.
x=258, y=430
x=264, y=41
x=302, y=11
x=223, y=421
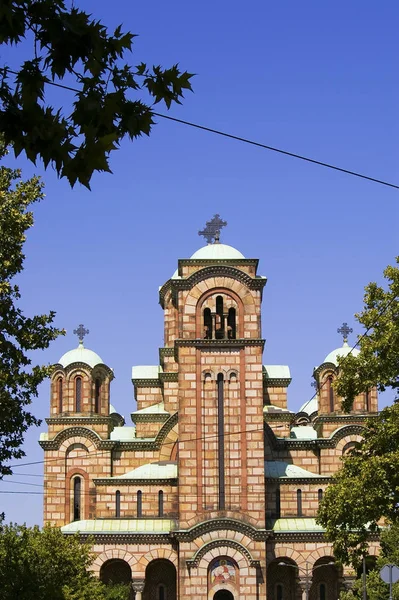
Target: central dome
x=343, y=351
x=217, y=251
x=80, y=355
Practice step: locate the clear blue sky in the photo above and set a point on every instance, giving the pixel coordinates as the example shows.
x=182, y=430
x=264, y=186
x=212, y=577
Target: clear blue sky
x=317, y=78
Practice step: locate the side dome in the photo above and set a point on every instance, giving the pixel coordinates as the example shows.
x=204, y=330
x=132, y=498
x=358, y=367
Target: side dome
x=80, y=355
x=343, y=351
x=217, y=251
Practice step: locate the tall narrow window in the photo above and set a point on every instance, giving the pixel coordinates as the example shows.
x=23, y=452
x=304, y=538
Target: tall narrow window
x=279, y=592
x=219, y=323
x=59, y=385
x=77, y=491
x=299, y=503
x=78, y=394
x=320, y=495
x=139, y=504
x=97, y=389
x=207, y=324
x=160, y=503
x=278, y=504
x=117, y=504
x=161, y=592
x=231, y=324
x=367, y=394
x=220, y=384
x=331, y=393
x=322, y=591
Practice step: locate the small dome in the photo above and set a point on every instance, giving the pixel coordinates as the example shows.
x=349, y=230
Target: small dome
x=343, y=351
x=218, y=252
x=80, y=355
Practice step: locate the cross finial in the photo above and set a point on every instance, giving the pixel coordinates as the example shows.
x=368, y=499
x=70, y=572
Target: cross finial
x=345, y=330
x=212, y=229
x=81, y=332
x=314, y=385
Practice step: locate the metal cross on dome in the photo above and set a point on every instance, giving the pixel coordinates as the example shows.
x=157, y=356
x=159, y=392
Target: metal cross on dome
x=211, y=231
x=81, y=332
x=345, y=330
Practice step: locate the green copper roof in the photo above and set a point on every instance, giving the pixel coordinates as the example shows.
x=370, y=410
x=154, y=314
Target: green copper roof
x=82, y=355
x=116, y=526
x=146, y=372
x=123, y=434
x=283, y=470
x=304, y=432
x=217, y=251
x=294, y=525
x=343, y=351
x=158, y=470
x=154, y=409
x=277, y=371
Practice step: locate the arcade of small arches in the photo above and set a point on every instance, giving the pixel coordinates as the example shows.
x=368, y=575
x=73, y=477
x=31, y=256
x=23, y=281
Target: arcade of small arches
x=219, y=318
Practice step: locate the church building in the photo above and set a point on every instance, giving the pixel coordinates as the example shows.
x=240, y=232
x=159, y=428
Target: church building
x=212, y=493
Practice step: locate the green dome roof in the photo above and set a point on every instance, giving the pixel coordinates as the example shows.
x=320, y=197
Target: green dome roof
x=218, y=252
x=80, y=355
x=343, y=351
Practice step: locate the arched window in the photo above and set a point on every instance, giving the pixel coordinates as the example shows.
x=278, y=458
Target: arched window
x=231, y=324
x=139, y=504
x=320, y=495
x=219, y=324
x=367, y=398
x=59, y=390
x=161, y=592
x=117, y=504
x=221, y=470
x=299, y=502
x=278, y=504
x=77, y=492
x=207, y=324
x=97, y=389
x=160, y=503
x=331, y=393
x=78, y=394
x=322, y=591
x=279, y=592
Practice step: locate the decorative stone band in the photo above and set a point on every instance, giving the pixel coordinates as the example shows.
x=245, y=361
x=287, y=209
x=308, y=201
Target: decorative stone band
x=155, y=382
x=84, y=366
x=150, y=418
x=127, y=538
x=323, y=367
x=195, y=560
x=275, y=382
x=217, y=344
x=344, y=418
x=299, y=480
x=119, y=481
x=214, y=270
x=188, y=535
x=67, y=420
x=294, y=444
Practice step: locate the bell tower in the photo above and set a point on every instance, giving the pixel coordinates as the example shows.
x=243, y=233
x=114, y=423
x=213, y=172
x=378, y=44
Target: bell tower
x=212, y=321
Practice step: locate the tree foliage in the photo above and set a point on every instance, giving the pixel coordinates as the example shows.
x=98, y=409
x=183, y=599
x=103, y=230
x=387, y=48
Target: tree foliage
x=19, y=334
x=378, y=361
x=71, y=48
x=365, y=491
x=47, y=565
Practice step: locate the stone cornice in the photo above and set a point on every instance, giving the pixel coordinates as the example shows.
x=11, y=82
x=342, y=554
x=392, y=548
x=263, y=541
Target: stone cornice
x=165, y=352
x=324, y=366
x=306, y=536
x=278, y=416
x=152, y=444
x=334, y=418
x=149, y=418
x=110, y=481
x=126, y=538
x=220, y=524
x=77, y=431
x=278, y=382
x=281, y=444
x=299, y=480
x=171, y=376
x=140, y=383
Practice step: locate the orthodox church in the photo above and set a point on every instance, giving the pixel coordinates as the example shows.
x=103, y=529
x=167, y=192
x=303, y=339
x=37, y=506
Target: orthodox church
x=212, y=493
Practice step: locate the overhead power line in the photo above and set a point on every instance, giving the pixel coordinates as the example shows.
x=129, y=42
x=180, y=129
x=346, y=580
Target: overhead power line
x=240, y=139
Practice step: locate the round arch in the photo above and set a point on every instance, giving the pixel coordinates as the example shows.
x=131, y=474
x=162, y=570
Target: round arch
x=112, y=554
x=116, y=571
x=160, y=580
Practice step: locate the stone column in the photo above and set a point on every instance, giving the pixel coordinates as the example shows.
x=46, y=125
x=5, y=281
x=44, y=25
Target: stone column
x=138, y=586
x=304, y=584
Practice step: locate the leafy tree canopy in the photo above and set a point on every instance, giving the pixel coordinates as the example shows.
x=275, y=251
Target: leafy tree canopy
x=47, y=565
x=365, y=491
x=378, y=361
x=19, y=334
x=73, y=49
